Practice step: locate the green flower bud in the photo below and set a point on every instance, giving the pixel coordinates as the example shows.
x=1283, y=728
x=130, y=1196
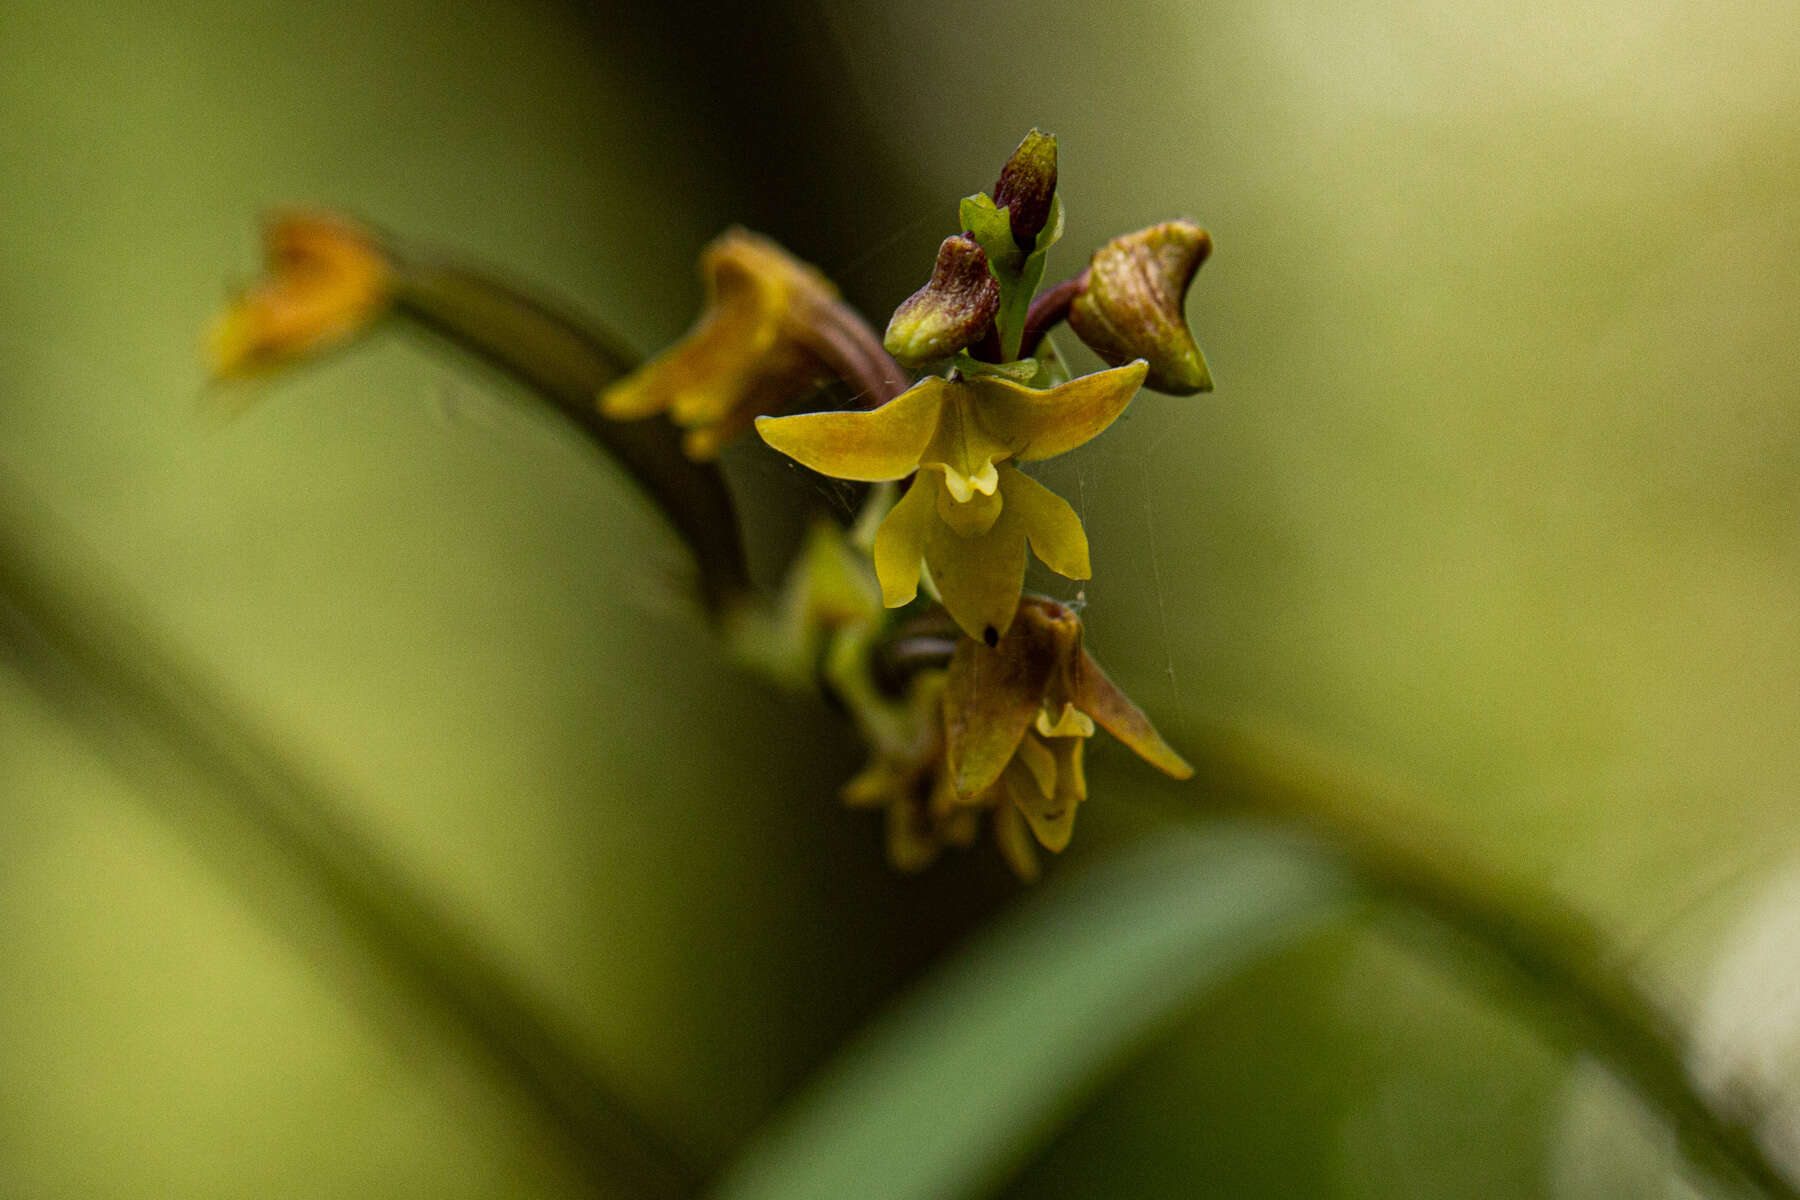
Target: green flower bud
x=1134, y=304
x=1027, y=184
x=951, y=312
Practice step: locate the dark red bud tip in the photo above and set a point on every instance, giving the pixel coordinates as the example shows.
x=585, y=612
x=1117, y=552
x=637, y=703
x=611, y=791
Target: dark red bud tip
x=1026, y=187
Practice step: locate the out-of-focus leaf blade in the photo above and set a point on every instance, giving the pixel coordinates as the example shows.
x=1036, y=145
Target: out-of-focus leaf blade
x=952, y=1088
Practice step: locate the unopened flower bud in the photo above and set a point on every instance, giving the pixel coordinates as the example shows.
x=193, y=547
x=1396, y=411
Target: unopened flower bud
x=1134, y=304
x=951, y=312
x=1027, y=185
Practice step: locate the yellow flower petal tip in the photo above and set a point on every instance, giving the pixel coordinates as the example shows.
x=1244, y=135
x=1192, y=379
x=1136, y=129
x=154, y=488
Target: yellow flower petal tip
x=325, y=280
x=756, y=348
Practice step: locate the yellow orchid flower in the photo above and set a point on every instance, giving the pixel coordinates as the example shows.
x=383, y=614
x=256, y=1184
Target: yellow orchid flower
x=1017, y=717
x=772, y=332
x=326, y=281
x=970, y=513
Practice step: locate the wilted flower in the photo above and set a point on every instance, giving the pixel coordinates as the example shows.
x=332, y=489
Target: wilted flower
x=773, y=331
x=1017, y=716
x=908, y=779
x=905, y=778
x=970, y=514
x=325, y=281
x=1133, y=305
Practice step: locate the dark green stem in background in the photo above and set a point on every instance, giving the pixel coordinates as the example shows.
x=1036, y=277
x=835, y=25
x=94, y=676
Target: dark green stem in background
x=1561, y=954
x=567, y=362
x=275, y=829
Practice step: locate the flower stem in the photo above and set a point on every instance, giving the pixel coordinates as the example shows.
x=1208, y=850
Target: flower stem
x=567, y=363
x=1559, y=952
x=1050, y=309
x=285, y=838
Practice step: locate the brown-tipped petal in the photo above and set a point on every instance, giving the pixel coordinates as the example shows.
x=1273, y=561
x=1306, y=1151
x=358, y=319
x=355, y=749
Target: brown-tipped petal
x=1051, y=815
x=1100, y=698
x=882, y=444
x=990, y=699
x=1026, y=187
x=1135, y=304
x=1038, y=424
x=949, y=313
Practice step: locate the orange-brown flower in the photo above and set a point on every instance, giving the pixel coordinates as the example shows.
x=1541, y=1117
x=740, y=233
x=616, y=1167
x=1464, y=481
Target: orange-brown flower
x=773, y=331
x=326, y=280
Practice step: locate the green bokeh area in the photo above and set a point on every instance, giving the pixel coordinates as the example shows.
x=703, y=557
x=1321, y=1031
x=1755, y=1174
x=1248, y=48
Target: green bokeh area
x=1497, y=491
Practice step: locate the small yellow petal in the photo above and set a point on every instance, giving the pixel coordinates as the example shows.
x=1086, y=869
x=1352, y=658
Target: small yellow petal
x=884, y=443
x=1014, y=840
x=1055, y=531
x=1071, y=722
x=979, y=577
x=900, y=543
x=1052, y=817
x=912, y=843
x=1040, y=762
x=1038, y=424
x=748, y=354
x=877, y=785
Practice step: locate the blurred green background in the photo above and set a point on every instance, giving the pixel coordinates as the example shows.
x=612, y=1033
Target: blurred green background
x=1498, y=491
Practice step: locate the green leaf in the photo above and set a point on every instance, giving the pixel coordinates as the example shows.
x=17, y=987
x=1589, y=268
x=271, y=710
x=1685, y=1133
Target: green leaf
x=949, y=1091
